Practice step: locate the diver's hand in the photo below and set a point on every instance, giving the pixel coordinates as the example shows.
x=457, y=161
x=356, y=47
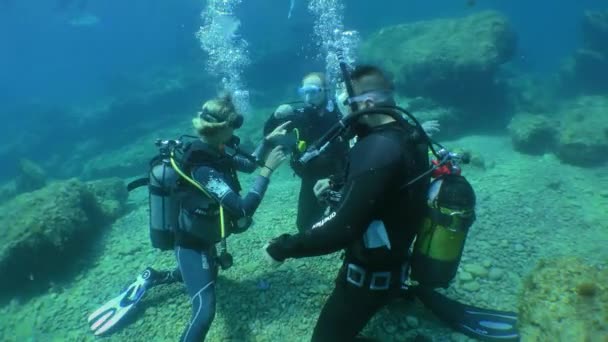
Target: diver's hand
x=275, y=158
x=271, y=261
x=321, y=186
x=430, y=127
x=283, y=111
x=280, y=130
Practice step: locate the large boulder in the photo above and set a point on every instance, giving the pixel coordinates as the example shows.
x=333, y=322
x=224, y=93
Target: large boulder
x=583, y=136
x=595, y=30
x=453, y=61
x=47, y=230
x=533, y=133
x=586, y=71
x=564, y=299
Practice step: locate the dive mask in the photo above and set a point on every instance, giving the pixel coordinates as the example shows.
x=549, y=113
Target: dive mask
x=310, y=92
x=376, y=96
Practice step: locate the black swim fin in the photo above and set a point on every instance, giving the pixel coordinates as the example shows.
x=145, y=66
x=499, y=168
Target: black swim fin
x=478, y=323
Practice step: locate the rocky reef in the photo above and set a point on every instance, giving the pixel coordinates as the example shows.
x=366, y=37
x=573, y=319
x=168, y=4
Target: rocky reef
x=586, y=71
x=583, y=136
x=532, y=133
x=577, y=132
x=48, y=230
x=30, y=177
x=565, y=299
x=452, y=61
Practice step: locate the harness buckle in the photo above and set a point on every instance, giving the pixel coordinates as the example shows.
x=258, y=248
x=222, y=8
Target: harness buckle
x=355, y=275
x=380, y=281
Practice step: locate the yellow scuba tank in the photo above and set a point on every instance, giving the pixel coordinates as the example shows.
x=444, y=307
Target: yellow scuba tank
x=440, y=240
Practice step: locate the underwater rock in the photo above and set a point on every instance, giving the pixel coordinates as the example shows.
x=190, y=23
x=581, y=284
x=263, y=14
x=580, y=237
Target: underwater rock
x=472, y=286
x=465, y=276
x=8, y=190
x=533, y=134
x=532, y=94
x=30, y=177
x=111, y=194
x=131, y=159
x=586, y=71
x=583, y=136
x=46, y=230
x=595, y=31
x=496, y=273
x=452, y=61
x=564, y=299
x=477, y=270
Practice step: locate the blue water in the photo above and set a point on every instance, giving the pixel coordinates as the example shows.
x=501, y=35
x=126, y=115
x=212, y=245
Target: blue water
x=45, y=60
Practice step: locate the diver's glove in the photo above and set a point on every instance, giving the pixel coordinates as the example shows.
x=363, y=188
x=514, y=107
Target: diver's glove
x=273, y=251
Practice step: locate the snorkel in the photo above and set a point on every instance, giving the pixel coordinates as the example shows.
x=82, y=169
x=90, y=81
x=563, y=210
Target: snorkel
x=340, y=129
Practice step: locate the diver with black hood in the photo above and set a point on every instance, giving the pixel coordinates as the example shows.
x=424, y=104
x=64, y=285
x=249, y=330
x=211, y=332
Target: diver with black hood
x=378, y=214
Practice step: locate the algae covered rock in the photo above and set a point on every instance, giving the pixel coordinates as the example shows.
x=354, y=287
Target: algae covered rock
x=583, y=137
x=587, y=69
x=534, y=134
x=131, y=159
x=111, y=194
x=565, y=300
x=453, y=61
x=46, y=230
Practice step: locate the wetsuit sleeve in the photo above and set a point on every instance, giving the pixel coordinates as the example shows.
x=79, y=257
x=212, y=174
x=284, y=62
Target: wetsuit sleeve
x=243, y=164
x=371, y=177
x=272, y=123
x=214, y=184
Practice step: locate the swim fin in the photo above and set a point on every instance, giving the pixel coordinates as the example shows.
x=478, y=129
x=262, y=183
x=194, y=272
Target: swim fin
x=111, y=313
x=478, y=323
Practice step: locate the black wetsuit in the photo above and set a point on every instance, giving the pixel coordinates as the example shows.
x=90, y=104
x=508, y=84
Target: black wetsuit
x=196, y=256
x=311, y=123
x=380, y=163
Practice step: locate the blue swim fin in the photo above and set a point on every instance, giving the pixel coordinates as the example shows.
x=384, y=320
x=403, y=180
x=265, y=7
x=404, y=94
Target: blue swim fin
x=110, y=314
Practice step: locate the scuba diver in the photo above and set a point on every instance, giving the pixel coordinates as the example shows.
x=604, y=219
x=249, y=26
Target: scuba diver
x=378, y=210
x=194, y=206
x=309, y=120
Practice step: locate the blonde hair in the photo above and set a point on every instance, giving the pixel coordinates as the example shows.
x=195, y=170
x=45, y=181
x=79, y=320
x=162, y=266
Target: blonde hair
x=319, y=75
x=221, y=109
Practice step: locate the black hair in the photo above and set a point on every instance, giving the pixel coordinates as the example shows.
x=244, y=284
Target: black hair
x=368, y=78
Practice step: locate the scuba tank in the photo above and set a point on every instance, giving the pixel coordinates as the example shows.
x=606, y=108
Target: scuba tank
x=164, y=200
x=440, y=240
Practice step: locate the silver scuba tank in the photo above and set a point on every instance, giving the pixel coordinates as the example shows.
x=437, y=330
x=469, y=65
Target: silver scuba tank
x=164, y=204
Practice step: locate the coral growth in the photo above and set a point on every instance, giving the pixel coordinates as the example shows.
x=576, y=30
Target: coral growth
x=46, y=230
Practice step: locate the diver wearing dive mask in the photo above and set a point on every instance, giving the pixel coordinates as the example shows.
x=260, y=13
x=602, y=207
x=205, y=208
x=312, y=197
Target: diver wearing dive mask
x=309, y=120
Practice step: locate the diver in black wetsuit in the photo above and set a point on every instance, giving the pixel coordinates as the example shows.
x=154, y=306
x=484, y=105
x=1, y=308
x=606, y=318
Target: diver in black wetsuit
x=214, y=187
x=309, y=122
x=375, y=221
